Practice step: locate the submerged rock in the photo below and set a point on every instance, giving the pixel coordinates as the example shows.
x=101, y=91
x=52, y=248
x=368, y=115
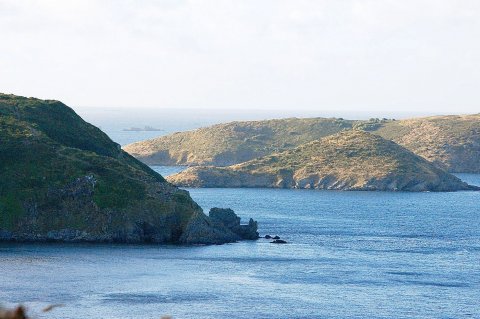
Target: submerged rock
x=278, y=241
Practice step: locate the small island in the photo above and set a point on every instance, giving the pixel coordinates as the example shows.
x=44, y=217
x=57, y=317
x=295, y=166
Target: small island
x=349, y=160
x=144, y=129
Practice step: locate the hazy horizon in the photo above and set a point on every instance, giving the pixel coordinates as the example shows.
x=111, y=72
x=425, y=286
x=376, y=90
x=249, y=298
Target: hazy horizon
x=115, y=121
x=376, y=56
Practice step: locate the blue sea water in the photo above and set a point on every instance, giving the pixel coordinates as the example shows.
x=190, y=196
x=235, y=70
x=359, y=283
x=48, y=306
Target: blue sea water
x=350, y=255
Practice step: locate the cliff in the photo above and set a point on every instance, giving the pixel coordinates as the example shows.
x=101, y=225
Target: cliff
x=62, y=179
x=350, y=160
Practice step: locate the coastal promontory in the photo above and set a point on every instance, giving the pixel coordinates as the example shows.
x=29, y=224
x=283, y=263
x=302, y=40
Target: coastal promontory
x=63, y=179
x=349, y=160
x=450, y=142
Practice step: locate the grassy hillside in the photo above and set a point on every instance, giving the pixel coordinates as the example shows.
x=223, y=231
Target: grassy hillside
x=231, y=143
x=63, y=179
x=349, y=160
x=450, y=142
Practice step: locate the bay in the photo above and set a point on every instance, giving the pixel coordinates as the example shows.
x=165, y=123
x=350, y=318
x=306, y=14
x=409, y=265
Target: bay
x=349, y=255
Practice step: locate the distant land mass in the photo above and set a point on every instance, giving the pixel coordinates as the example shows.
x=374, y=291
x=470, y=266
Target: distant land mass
x=144, y=129
x=62, y=179
x=349, y=160
x=450, y=142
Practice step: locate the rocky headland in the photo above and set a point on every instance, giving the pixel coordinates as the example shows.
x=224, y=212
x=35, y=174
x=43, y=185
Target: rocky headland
x=349, y=160
x=233, y=143
x=449, y=142
x=62, y=179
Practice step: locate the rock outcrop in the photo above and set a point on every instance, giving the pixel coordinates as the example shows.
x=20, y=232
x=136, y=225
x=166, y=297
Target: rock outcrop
x=226, y=217
x=62, y=179
x=17, y=313
x=223, y=225
x=350, y=160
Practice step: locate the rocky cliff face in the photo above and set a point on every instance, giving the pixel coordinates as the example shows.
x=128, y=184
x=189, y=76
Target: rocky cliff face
x=350, y=160
x=62, y=179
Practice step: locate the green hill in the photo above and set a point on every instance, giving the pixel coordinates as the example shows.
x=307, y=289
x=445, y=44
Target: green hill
x=349, y=160
x=450, y=142
x=64, y=179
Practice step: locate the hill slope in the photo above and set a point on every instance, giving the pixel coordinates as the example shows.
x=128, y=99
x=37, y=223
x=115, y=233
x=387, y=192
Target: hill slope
x=63, y=179
x=350, y=160
x=232, y=143
x=450, y=142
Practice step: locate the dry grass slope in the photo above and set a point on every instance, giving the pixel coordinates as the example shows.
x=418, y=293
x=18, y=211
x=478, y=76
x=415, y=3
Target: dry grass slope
x=231, y=143
x=450, y=142
x=349, y=160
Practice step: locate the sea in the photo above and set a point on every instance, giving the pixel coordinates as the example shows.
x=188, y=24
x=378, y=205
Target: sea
x=349, y=255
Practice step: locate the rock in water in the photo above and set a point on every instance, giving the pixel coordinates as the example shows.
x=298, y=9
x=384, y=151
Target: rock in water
x=203, y=230
x=62, y=179
x=17, y=313
x=227, y=218
x=350, y=160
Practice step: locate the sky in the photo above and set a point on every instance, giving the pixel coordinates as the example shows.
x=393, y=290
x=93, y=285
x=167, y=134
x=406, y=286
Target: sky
x=336, y=55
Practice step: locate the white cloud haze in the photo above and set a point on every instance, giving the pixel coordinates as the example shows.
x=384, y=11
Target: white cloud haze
x=406, y=55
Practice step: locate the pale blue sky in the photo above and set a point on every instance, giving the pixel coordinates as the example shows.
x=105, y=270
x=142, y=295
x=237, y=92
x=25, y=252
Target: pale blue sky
x=404, y=55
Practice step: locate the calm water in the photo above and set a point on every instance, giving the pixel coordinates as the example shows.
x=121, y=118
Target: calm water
x=350, y=255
